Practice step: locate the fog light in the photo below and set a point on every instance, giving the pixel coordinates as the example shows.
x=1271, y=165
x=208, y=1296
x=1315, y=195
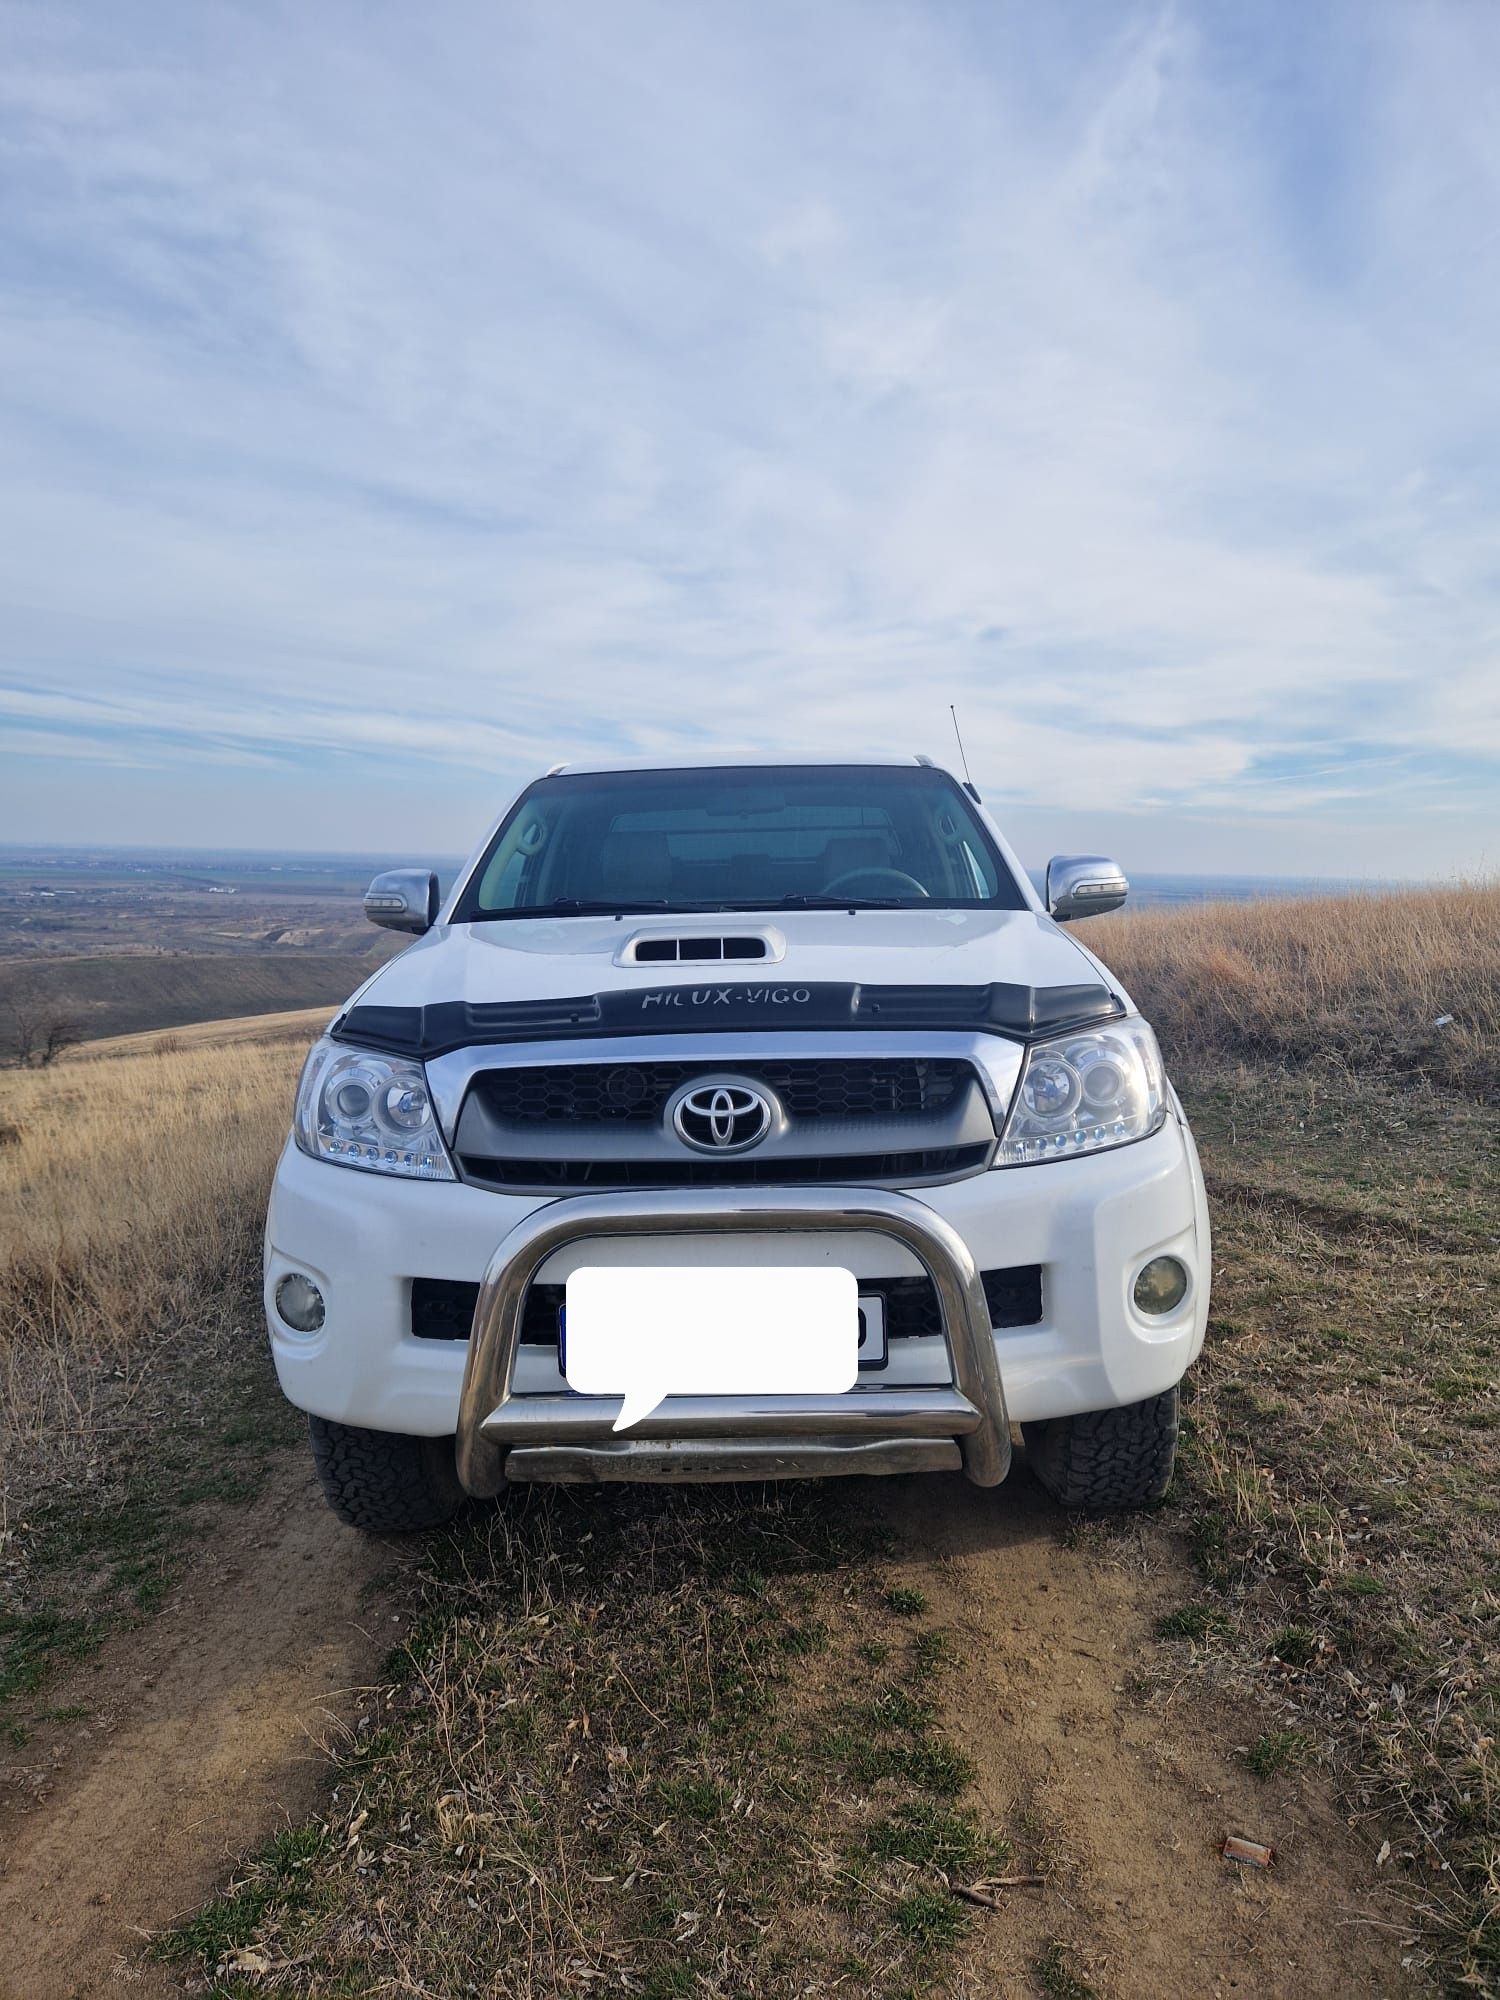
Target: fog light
x=1161, y=1286
x=300, y=1303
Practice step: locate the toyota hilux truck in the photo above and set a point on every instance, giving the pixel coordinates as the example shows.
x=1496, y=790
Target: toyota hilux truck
x=714, y=1027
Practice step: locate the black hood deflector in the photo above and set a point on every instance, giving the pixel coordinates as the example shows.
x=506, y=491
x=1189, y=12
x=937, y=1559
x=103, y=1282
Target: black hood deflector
x=1021, y=1013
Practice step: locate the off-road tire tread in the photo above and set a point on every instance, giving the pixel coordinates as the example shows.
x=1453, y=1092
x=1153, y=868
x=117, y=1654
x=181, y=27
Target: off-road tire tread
x=382, y=1482
x=1107, y=1460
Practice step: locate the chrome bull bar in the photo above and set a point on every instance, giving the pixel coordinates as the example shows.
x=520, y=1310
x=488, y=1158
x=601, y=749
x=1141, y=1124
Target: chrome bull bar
x=870, y=1428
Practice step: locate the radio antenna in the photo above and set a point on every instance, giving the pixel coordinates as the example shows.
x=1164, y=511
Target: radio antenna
x=961, y=751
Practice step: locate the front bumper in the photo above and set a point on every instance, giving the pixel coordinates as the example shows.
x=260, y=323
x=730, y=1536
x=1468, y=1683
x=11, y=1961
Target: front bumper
x=804, y=1433
x=1090, y=1223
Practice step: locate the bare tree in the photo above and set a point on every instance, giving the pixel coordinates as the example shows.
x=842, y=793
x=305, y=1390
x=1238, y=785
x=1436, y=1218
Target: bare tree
x=59, y=1032
x=25, y=1026
x=40, y=1029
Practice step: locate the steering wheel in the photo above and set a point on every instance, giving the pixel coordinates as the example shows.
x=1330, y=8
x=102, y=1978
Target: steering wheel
x=897, y=878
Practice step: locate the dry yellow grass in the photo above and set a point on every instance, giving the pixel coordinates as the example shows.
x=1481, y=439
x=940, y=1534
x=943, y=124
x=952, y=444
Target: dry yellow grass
x=132, y=1191
x=1360, y=980
x=302, y=1025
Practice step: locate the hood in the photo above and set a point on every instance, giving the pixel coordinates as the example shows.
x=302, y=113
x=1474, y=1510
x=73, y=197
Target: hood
x=1011, y=969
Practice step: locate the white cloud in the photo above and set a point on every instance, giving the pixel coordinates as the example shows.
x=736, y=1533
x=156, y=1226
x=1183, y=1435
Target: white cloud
x=537, y=380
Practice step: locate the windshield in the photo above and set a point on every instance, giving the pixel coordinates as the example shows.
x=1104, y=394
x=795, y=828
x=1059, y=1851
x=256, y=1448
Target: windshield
x=884, y=836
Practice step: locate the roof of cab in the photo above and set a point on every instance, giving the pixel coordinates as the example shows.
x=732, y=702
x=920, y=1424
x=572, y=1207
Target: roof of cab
x=719, y=760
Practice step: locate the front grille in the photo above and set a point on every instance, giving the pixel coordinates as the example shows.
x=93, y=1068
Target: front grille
x=637, y=1093
x=443, y=1308
x=782, y=1171
x=1013, y=1295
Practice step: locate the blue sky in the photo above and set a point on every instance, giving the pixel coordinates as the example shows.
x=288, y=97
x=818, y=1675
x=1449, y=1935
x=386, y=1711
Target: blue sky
x=394, y=401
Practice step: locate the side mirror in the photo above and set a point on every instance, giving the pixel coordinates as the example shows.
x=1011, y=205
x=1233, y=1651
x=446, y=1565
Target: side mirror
x=404, y=899
x=1084, y=885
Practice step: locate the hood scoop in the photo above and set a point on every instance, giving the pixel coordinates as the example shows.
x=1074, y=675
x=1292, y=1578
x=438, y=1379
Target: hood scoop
x=700, y=948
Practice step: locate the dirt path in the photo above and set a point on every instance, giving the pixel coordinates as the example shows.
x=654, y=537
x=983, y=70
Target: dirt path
x=198, y=1739
x=1124, y=1802
x=201, y=1731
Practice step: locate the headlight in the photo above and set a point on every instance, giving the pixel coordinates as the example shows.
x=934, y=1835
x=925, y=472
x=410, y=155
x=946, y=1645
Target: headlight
x=1083, y=1093
x=370, y=1111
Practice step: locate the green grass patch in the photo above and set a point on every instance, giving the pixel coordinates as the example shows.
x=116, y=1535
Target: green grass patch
x=1294, y=1645
x=931, y=1919
x=931, y=1835
x=691, y=1798
x=932, y=1651
x=905, y=1602
x=1278, y=1750
x=1053, y=1972
x=1360, y=1583
x=282, y=1879
x=1198, y=1622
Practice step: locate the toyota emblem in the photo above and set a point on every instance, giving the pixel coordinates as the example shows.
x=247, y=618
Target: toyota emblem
x=722, y=1116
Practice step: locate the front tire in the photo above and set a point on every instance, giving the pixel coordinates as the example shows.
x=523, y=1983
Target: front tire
x=1107, y=1460
x=383, y=1482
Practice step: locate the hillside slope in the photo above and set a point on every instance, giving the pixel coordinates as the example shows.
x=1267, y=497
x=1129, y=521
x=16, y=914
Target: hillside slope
x=120, y=996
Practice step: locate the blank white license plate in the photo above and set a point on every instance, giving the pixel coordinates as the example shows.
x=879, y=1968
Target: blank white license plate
x=872, y=1349
x=647, y=1332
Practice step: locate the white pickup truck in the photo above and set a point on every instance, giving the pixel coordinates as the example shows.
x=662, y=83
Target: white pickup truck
x=727, y=1016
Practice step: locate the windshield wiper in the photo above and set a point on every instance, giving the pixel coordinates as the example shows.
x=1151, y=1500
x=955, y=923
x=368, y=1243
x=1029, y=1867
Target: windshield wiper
x=802, y=902
x=576, y=906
